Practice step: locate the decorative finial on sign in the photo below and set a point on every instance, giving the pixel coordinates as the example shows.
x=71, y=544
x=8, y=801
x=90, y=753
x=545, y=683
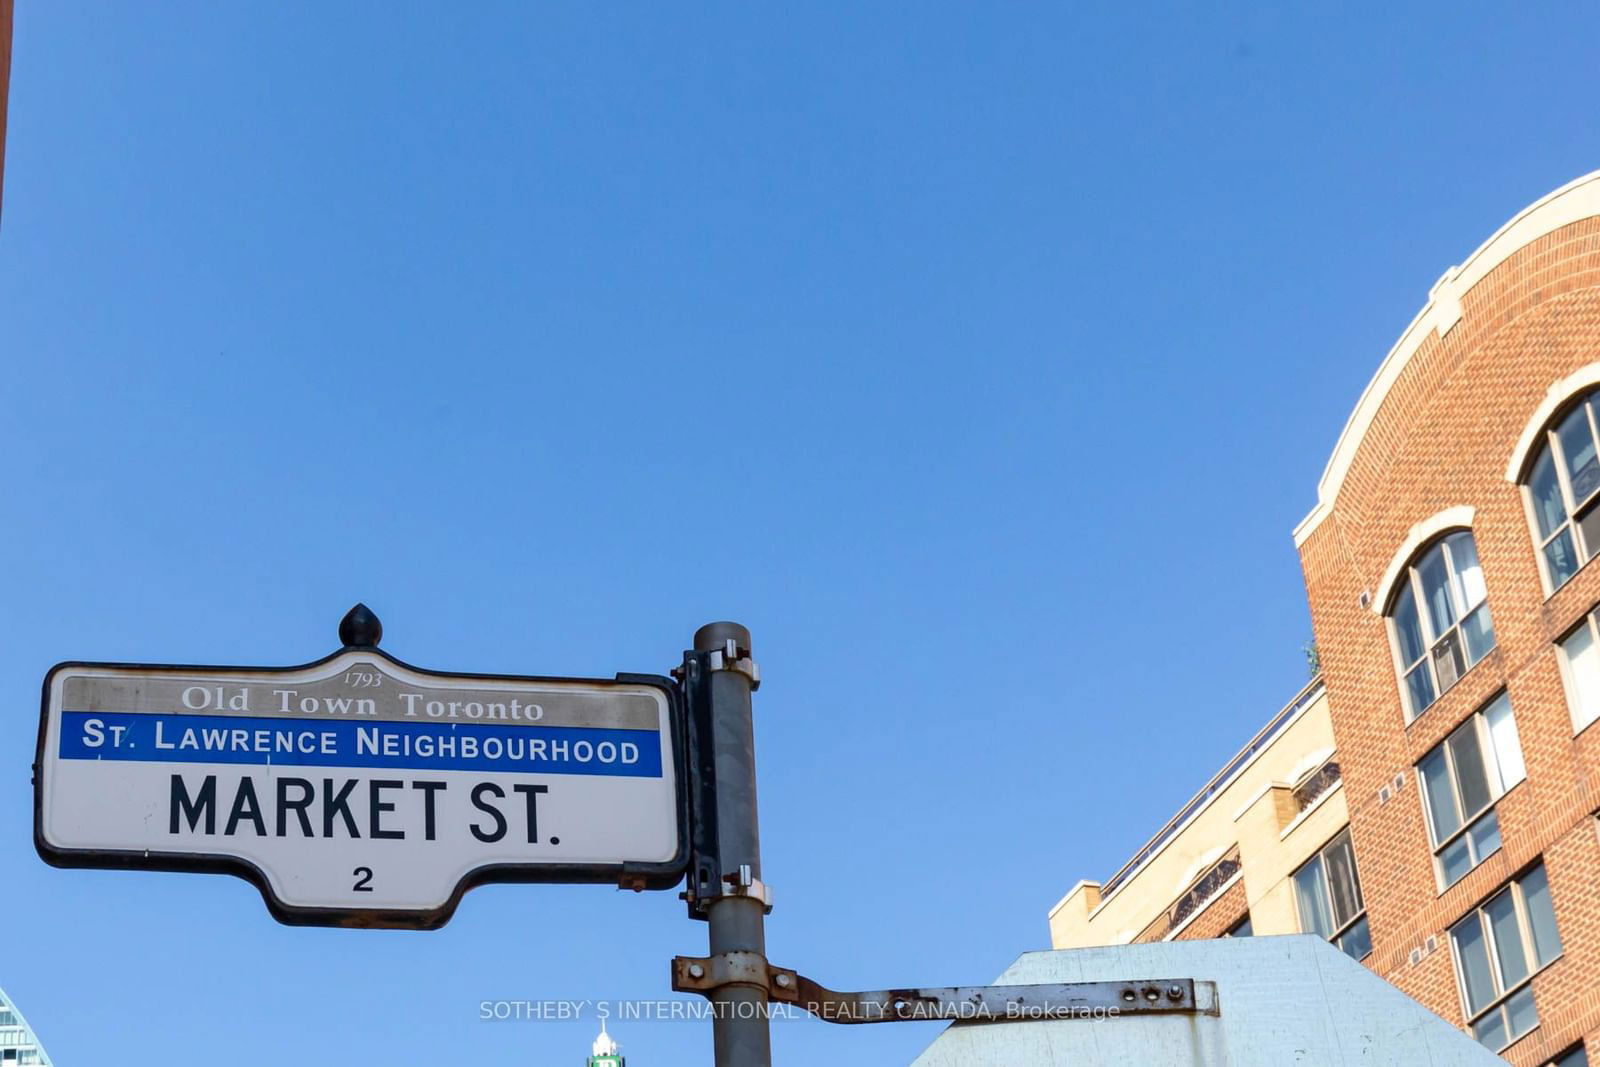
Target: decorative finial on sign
x=360, y=628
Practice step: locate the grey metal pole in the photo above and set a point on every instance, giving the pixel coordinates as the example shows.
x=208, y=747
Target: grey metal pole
x=740, y=1021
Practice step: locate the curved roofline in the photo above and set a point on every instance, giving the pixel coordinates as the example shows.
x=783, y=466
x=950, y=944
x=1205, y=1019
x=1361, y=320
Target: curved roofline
x=1579, y=199
x=22, y=1021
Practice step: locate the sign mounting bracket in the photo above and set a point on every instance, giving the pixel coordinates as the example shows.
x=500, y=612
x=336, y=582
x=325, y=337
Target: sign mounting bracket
x=963, y=1004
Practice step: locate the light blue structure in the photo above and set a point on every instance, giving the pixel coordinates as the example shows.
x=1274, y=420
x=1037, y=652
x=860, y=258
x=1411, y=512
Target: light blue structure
x=1281, y=1001
x=17, y=1042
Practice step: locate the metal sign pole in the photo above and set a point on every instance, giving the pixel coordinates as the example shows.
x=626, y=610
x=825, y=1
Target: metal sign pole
x=736, y=913
x=140, y=765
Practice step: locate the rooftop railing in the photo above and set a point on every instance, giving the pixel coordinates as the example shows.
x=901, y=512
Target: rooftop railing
x=1316, y=784
x=1218, y=783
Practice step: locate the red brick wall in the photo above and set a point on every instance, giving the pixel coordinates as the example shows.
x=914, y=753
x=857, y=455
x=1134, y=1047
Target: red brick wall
x=1442, y=437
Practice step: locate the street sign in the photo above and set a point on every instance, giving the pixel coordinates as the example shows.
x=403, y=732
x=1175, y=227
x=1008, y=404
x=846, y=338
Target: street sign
x=359, y=790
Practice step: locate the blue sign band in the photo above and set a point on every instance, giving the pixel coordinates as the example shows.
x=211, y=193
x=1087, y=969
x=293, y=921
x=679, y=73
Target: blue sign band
x=117, y=735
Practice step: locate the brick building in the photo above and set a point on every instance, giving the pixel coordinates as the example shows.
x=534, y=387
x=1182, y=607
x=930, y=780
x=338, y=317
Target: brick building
x=1455, y=617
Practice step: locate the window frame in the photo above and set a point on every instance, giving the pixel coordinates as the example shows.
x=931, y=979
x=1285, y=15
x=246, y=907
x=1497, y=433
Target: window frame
x=1565, y=1058
x=1495, y=780
x=1569, y=677
x=1409, y=580
x=1478, y=912
x=1320, y=858
x=1550, y=444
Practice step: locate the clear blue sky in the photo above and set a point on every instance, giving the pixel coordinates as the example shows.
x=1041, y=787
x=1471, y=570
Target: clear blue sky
x=980, y=358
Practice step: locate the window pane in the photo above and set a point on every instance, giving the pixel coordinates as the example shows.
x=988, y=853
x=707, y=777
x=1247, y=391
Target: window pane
x=1448, y=663
x=1407, y=628
x=1576, y=1058
x=1479, y=634
x=1472, y=952
x=1419, y=689
x=1341, y=865
x=1560, y=559
x=1469, y=575
x=1577, y=445
x=1583, y=673
x=1502, y=915
x=1548, y=509
x=1471, y=777
x=1485, y=837
x=1436, y=590
x=1456, y=860
x=1589, y=531
x=1503, y=737
x=1312, y=897
x=1357, y=941
x=1441, y=800
x=1541, y=915
x=1491, y=1030
x=1520, y=1012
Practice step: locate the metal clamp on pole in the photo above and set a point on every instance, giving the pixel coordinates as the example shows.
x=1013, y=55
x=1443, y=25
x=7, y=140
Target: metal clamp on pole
x=703, y=974
x=732, y=657
x=742, y=883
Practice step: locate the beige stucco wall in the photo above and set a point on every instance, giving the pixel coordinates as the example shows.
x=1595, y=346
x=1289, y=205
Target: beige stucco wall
x=1256, y=812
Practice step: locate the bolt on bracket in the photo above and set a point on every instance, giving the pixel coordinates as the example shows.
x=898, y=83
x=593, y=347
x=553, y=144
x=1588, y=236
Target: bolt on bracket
x=962, y=1004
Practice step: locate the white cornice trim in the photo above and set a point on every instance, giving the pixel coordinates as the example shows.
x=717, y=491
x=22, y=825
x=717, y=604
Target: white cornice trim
x=1083, y=883
x=1571, y=203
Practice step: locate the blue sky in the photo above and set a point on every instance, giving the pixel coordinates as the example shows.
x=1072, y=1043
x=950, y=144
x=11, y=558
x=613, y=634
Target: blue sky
x=980, y=358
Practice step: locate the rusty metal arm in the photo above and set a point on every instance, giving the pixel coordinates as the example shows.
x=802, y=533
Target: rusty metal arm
x=971, y=1004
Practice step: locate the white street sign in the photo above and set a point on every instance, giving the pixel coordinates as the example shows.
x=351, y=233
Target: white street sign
x=359, y=790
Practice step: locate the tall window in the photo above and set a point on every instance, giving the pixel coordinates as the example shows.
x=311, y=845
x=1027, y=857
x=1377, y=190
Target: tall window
x=1562, y=488
x=1462, y=778
x=1499, y=946
x=1573, y=1057
x=1328, y=893
x=1580, y=668
x=1440, y=619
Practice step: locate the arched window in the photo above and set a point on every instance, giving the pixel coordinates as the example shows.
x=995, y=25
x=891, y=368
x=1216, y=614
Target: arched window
x=1563, y=489
x=1439, y=619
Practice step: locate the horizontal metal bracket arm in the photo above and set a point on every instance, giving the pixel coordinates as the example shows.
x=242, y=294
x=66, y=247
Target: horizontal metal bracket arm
x=968, y=1004
x=1008, y=1003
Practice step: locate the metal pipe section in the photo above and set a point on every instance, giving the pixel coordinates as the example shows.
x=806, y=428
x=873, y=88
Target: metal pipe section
x=741, y=1030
